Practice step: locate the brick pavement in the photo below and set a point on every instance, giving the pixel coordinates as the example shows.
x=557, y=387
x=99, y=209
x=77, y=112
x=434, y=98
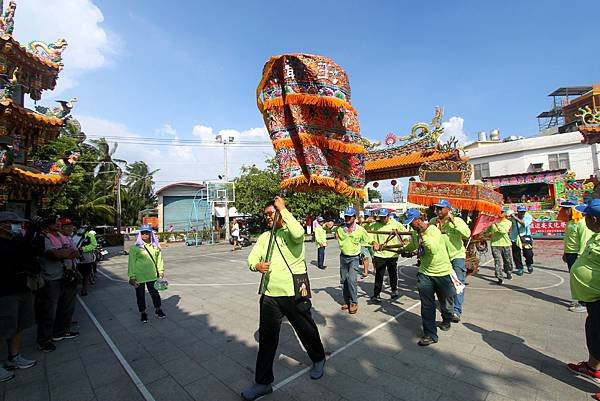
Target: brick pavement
x=512, y=344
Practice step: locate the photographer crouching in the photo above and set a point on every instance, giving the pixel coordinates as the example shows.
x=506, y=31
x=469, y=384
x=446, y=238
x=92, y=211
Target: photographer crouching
x=20, y=277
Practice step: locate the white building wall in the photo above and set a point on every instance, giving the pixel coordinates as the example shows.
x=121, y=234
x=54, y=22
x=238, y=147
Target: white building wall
x=506, y=158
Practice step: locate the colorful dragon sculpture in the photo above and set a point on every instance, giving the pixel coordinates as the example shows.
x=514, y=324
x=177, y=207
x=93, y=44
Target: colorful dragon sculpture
x=49, y=52
x=7, y=20
x=421, y=131
x=589, y=116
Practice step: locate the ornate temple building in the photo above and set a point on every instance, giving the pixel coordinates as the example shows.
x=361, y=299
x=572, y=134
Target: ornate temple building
x=403, y=155
x=28, y=70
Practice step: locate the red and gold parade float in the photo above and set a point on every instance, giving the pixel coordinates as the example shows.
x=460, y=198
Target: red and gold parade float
x=28, y=70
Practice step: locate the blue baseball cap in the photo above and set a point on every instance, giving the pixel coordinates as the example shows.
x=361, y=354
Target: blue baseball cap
x=592, y=208
x=443, y=203
x=320, y=219
x=410, y=215
x=383, y=212
x=146, y=227
x=521, y=209
x=350, y=212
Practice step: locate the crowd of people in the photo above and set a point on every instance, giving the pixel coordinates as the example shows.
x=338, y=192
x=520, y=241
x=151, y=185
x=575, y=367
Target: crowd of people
x=44, y=262
x=438, y=244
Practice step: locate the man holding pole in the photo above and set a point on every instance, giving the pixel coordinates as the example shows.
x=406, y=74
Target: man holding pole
x=277, y=254
x=454, y=230
x=434, y=276
x=383, y=236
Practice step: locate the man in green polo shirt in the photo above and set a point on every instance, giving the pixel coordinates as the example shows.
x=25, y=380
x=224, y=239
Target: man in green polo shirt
x=585, y=287
x=321, y=242
x=351, y=238
x=433, y=277
x=277, y=300
x=455, y=230
x=576, y=237
x=385, y=259
x=501, y=246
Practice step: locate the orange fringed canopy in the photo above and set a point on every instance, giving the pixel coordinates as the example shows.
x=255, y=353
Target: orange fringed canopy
x=461, y=196
x=305, y=103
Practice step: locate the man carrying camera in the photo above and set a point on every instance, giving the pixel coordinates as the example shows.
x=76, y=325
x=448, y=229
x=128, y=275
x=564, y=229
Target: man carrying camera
x=54, y=302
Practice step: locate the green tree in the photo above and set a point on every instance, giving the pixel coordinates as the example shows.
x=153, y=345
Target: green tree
x=255, y=187
x=139, y=191
x=374, y=194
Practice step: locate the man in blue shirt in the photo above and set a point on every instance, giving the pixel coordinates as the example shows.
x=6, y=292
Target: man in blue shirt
x=520, y=236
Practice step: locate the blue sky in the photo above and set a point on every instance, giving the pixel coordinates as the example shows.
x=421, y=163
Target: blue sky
x=171, y=66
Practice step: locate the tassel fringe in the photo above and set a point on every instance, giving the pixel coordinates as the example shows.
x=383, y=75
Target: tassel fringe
x=463, y=204
x=313, y=100
x=332, y=144
x=302, y=183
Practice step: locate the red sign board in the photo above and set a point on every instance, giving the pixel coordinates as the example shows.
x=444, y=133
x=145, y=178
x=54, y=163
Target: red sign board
x=548, y=227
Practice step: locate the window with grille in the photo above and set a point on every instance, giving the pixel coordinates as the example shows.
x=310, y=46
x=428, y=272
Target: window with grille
x=481, y=170
x=558, y=161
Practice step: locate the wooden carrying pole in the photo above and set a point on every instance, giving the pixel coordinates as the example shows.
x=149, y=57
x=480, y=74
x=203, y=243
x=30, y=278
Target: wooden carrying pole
x=269, y=248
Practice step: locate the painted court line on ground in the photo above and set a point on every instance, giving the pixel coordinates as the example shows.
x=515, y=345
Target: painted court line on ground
x=118, y=280
x=345, y=347
x=134, y=377
x=500, y=288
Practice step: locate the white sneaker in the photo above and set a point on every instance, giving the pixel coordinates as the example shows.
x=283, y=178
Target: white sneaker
x=5, y=375
x=578, y=308
x=18, y=362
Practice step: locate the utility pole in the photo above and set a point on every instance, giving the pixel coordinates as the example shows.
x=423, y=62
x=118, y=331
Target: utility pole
x=119, y=172
x=226, y=173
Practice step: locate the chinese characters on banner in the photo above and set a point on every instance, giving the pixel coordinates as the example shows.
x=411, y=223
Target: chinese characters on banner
x=548, y=227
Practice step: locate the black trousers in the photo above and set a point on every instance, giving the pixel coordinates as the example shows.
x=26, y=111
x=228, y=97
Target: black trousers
x=140, y=295
x=381, y=264
x=518, y=256
x=592, y=328
x=54, y=307
x=272, y=311
x=571, y=258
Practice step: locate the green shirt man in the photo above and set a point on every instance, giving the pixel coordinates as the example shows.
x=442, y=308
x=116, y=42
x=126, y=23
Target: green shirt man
x=289, y=248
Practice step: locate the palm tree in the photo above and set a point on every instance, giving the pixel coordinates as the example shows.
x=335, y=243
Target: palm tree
x=96, y=205
x=139, y=180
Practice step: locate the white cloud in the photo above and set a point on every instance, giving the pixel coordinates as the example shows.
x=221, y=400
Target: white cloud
x=179, y=161
x=167, y=129
x=455, y=128
x=80, y=22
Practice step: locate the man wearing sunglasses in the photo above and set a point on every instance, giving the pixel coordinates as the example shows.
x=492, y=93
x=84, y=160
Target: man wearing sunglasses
x=278, y=297
x=454, y=230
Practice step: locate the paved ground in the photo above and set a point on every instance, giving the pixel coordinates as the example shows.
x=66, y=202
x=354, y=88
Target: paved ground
x=512, y=344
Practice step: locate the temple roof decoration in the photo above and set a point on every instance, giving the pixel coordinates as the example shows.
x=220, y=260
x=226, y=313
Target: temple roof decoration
x=39, y=62
x=13, y=110
x=28, y=176
x=590, y=125
x=403, y=155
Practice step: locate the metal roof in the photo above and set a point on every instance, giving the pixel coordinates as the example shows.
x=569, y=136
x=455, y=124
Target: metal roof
x=571, y=91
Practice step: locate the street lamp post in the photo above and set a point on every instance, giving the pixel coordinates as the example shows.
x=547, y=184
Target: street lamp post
x=225, y=142
x=119, y=175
